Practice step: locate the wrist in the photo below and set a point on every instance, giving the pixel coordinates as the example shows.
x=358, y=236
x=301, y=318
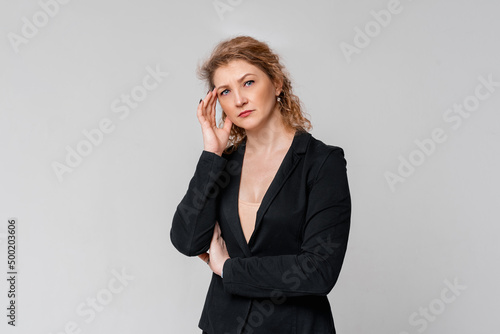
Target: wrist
x=213, y=151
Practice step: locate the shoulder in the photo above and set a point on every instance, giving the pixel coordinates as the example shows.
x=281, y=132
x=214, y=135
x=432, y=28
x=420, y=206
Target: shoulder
x=232, y=152
x=321, y=157
x=318, y=151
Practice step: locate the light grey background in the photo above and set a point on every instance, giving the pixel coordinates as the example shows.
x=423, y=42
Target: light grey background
x=114, y=210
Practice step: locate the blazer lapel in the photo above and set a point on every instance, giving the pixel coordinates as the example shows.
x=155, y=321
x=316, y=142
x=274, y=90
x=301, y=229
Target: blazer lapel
x=230, y=198
x=290, y=161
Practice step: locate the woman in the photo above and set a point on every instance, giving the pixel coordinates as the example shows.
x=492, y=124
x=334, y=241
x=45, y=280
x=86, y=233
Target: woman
x=269, y=201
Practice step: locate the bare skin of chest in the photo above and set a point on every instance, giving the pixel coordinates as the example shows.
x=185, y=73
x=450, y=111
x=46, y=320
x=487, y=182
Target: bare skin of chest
x=256, y=176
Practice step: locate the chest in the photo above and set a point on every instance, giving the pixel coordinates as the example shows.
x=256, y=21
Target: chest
x=280, y=185
x=257, y=174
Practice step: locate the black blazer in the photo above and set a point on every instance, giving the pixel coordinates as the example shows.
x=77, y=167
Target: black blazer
x=279, y=281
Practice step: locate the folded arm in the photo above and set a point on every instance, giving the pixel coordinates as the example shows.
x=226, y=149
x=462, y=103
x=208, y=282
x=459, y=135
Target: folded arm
x=194, y=219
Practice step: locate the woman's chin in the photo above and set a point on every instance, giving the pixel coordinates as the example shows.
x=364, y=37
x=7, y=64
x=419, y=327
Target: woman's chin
x=245, y=124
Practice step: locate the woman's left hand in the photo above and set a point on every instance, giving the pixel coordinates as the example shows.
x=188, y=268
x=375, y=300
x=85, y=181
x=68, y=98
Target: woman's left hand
x=218, y=252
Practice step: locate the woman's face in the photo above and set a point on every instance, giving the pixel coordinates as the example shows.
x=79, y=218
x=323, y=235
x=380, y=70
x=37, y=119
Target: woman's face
x=241, y=86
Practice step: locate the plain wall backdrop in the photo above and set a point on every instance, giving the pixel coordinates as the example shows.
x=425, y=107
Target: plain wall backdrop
x=409, y=89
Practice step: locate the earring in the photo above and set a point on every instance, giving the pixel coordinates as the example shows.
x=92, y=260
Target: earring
x=278, y=99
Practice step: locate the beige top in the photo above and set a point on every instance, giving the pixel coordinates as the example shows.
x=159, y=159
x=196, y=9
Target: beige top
x=248, y=214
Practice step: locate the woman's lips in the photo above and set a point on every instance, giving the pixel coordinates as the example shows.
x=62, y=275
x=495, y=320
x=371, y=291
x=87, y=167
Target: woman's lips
x=245, y=113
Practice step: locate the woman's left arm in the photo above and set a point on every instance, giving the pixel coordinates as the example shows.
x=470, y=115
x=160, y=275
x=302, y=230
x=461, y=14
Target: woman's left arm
x=314, y=271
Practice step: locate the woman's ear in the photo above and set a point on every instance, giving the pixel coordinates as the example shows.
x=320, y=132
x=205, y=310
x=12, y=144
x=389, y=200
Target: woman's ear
x=279, y=86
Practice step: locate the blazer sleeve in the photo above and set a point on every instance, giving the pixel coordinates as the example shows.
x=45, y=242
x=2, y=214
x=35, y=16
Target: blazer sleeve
x=194, y=219
x=316, y=267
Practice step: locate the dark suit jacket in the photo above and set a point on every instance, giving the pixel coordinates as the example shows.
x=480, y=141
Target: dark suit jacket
x=279, y=281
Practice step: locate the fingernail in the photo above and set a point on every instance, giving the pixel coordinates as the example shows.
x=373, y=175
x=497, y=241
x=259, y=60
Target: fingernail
x=200, y=101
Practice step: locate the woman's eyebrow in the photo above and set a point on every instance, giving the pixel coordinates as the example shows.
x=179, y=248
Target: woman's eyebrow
x=239, y=80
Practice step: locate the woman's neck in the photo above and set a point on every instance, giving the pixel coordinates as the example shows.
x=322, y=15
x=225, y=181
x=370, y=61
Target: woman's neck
x=269, y=140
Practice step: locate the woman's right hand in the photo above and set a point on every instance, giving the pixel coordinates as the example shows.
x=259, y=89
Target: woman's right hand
x=214, y=139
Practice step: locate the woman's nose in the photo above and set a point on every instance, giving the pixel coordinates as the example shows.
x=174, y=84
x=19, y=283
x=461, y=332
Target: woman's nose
x=239, y=98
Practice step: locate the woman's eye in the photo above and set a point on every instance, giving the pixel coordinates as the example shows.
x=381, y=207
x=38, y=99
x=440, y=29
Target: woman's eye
x=249, y=81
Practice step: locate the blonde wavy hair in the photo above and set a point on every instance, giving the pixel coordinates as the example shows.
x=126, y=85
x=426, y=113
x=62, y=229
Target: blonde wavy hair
x=260, y=55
